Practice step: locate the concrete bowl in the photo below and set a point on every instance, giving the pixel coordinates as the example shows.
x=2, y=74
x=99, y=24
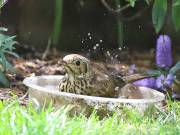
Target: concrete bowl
x=44, y=90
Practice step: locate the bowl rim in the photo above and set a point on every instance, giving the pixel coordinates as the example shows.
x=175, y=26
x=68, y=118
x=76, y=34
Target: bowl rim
x=28, y=81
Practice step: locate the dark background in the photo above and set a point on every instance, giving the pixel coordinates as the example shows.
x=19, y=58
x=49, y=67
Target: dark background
x=32, y=22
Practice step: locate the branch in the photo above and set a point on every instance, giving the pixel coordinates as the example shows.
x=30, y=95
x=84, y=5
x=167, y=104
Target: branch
x=114, y=10
x=46, y=52
x=136, y=15
x=118, y=11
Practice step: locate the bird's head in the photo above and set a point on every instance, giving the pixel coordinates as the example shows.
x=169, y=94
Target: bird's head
x=76, y=64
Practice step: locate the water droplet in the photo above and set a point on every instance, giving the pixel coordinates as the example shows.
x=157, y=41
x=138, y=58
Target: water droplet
x=97, y=45
x=89, y=34
x=108, y=53
x=90, y=37
x=100, y=41
x=120, y=48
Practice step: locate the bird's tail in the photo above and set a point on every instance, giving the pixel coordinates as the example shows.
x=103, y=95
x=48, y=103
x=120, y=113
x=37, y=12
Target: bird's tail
x=129, y=78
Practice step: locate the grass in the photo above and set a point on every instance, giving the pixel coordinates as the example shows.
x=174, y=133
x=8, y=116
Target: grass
x=16, y=119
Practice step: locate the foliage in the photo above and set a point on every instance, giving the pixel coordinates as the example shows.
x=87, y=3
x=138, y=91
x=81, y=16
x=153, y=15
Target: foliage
x=15, y=119
x=132, y=2
x=175, y=13
x=167, y=75
x=6, y=47
x=159, y=12
x=2, y=2
x=175, y=70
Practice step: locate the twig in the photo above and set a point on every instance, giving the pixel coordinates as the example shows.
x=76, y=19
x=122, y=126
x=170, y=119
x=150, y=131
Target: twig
x=136, y=15
x=119, y=14
x=46, y=52
x=114, y=10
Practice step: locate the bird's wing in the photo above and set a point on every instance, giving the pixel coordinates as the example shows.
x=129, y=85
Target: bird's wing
x=102, y=85
x=99, y=68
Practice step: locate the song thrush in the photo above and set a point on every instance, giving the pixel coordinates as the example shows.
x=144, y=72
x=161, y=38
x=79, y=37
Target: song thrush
x=81, y=78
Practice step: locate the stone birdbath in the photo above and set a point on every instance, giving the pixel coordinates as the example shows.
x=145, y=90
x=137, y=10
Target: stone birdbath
x=43, y=91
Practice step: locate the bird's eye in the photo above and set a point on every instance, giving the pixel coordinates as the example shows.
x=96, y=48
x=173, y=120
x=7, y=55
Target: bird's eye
x=77, y=62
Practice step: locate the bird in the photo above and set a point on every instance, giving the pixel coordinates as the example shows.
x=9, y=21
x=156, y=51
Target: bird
x=81, y=78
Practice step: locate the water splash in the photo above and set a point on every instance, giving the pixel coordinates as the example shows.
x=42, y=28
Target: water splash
x=95, y=50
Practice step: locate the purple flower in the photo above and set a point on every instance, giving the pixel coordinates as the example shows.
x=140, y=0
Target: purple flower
x=132, y=69
x=163, y=82
x=160, y=82
x=169, y=80
x=147, y=82
x=163, y=52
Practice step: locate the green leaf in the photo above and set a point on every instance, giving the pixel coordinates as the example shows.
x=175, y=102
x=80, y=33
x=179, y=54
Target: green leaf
x=2, y=3
x=3, y=60
x=153, y=73
x=176, y=13
x=132, y=2
x=6, y=65
x=147, y=1
x=9, y=46
x=175, y=68
x=10, y=67
x=6, y=46
x=12, y=53
x=158, y=14
x=2, y=38
x=3, y=80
